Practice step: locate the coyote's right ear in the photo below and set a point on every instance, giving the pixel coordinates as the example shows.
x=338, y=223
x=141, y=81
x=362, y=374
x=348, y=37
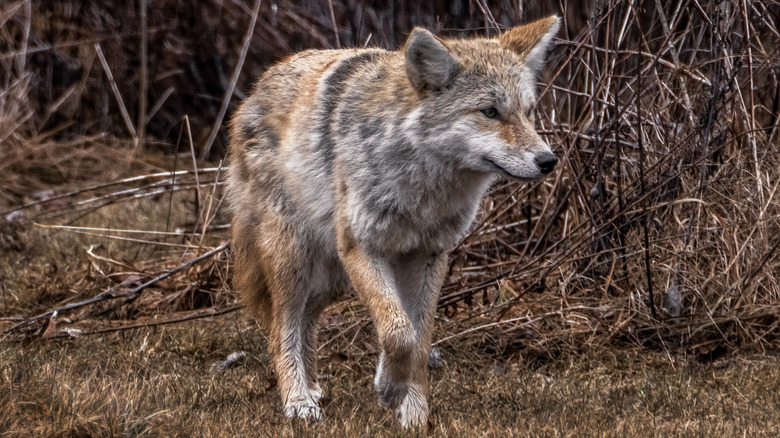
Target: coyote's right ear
x=532, y=40
x=429, y=63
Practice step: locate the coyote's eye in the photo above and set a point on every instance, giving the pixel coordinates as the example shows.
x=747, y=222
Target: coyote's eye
x=490, y=113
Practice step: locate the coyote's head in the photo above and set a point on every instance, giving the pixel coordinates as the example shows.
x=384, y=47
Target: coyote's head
x=478, y=98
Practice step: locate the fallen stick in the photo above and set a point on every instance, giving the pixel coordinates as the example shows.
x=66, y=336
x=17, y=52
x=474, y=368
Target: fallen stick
x=152, y=323
x=110, y=294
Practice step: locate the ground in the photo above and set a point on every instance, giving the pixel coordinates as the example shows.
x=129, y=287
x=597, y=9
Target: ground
x=162, y=381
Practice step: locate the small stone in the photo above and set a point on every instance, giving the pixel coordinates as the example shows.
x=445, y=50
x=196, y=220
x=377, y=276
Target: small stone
x=673, y=302
x=231, y=360
x=15, y=217
x=72, y=332
x=435, y=359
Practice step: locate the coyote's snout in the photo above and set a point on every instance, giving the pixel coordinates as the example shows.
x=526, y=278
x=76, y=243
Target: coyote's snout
x=362, y=168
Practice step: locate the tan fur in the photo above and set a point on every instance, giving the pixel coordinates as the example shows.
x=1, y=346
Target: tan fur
x=362, y=168
x=522, y=39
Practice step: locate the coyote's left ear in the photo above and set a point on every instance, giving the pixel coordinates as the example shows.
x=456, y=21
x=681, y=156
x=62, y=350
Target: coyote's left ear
x=429, y=63
x=532, y=40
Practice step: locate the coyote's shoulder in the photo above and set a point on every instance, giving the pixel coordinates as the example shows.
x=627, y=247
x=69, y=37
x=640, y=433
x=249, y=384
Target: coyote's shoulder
x=363, y=168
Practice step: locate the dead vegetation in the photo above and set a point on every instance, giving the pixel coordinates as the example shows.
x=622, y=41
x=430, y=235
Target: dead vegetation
x=659, y=232
x=163, y=382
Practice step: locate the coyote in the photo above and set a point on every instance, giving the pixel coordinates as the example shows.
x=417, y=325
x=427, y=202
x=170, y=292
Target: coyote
x=363, y=168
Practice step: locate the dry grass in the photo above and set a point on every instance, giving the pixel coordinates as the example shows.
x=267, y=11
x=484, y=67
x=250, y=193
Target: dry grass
x=635, y=292
x=161, y=382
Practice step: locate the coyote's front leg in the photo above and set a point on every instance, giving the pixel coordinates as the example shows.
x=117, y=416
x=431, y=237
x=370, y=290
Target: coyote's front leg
x=401, y=293
x=419, y=279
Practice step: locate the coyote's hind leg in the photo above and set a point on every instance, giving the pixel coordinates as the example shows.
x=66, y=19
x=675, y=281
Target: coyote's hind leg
x=300, y=288
x=293, y=340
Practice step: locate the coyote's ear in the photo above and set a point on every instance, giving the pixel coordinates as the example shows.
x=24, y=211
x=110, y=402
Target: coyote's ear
x=532, y=40
x=429, y=63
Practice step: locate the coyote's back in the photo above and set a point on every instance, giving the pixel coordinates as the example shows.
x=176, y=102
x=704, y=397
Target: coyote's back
x=362, y=169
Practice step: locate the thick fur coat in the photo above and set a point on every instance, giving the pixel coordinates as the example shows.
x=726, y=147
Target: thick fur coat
x=363, y=168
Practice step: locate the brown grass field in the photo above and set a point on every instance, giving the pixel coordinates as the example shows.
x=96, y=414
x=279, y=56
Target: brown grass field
x=635, y=292
x=161, y=382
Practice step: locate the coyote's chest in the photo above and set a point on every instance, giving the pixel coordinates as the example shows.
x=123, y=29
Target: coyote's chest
x=432, y=216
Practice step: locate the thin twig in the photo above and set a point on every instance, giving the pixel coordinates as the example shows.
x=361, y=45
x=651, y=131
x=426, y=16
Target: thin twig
x=144, y=72
x=335, y=26
x=232, y=86
x=117, y=94
x=189, y=317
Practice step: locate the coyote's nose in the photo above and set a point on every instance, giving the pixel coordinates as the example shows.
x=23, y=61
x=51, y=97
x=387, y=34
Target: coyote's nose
x=546, y=161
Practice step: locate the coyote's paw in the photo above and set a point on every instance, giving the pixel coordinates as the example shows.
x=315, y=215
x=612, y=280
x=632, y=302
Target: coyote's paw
x=306, y=409
x=390, y=392
x=315, y=391
x=413, y=410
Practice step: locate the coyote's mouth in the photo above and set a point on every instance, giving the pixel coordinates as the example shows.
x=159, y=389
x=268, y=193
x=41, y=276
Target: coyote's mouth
x=504, y=171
